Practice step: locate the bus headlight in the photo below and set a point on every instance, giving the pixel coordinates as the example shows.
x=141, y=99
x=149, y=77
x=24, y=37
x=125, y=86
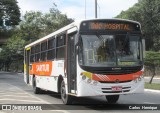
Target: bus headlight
x=83, y=77
x=95, y=82
x=135, y=80
x=139, y=78
x=89, y=80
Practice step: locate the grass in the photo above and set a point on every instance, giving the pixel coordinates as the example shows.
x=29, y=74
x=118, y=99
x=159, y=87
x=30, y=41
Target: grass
x=152, y=86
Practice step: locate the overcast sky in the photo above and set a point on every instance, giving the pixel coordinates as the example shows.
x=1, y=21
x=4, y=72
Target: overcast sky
x=76, y=8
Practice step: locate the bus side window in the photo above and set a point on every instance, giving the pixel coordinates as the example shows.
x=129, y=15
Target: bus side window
x=43, y=51
x=51, y=49
x=37, y=53
x=32, y=55
x=60, y=49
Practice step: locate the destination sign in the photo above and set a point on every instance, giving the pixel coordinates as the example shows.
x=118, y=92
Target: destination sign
x=114, y=25
x=111, y=26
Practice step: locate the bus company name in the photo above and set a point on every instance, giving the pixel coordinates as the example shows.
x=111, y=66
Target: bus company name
x=42, y=68
x=109, y=26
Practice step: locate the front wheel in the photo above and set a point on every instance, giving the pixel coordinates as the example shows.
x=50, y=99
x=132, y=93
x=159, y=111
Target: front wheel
x=67, y=99
x=112, y=99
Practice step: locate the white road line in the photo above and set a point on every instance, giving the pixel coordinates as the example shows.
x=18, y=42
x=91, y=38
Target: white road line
x=149, y=103
x=153, y=91
x=8, y=99
x=41, y=100
x=12, y=93
x=12, y=96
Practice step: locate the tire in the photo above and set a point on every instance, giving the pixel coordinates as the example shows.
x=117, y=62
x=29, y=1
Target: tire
x=36, y=90
x=67, y=99
x=112, y=99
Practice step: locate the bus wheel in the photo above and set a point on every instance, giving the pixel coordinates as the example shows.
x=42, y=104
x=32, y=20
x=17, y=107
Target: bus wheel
x=36, y=90
x=67, y=99
x=112, y=99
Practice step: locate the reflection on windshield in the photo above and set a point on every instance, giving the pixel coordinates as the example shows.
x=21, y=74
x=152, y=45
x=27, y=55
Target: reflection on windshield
x=109, y=50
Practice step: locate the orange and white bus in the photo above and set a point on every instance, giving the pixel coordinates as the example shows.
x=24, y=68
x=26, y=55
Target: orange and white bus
x=93, y=57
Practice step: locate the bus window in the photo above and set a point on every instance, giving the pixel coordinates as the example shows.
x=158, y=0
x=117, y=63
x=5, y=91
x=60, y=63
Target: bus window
x=37, y=48
x=61, y=40
x=60, y=50
x=32, y=50
x=51, y=54
x=37, y=57
x=32, y=57
x=37, y=53
x=60, y=53
x=44, y=46
x=43, y=51
x=51, y=43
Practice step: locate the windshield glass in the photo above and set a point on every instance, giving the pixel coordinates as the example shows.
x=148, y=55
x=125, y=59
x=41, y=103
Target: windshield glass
x=110, y=50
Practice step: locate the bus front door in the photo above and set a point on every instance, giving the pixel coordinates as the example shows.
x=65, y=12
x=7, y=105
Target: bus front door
x=71, y=64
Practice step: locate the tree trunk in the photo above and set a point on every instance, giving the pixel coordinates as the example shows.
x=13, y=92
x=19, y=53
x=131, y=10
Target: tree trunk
x=153, y=69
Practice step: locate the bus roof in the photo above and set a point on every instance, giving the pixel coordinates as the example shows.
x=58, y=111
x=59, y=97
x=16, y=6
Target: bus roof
x=74, y=24
x=54, y=33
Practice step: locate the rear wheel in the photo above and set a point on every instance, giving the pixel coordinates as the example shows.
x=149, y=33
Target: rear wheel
x=112, y=99
x=67, y=99
x=36, y=90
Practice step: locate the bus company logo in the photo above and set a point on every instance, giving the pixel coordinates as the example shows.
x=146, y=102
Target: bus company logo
x=42, y=68
x=116, y=68
x=117, y=81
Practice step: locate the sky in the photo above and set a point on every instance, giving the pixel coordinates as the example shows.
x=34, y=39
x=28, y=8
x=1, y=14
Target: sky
x=76, y=8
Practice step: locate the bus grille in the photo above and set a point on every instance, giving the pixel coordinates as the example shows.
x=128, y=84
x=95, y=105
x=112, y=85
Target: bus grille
x=109, y=90
x=115, y=82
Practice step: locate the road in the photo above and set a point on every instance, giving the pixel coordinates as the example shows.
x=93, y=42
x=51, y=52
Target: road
x=14, y=91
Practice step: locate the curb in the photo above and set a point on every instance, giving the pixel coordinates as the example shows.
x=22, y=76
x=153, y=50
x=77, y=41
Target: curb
x=151, y=90
x=153, y=78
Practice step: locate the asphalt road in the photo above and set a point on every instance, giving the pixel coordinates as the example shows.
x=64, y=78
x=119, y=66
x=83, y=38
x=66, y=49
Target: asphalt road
x=14, y=91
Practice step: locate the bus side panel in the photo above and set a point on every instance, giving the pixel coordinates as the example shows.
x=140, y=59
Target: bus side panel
x=47, y=80
x=47, y=83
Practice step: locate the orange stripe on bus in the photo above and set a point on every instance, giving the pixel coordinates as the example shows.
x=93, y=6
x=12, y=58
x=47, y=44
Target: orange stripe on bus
x=41, y=68
x=124, y=77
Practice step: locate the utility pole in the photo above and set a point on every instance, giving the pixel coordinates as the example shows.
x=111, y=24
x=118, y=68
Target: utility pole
x=95, y=8
x=85, y=9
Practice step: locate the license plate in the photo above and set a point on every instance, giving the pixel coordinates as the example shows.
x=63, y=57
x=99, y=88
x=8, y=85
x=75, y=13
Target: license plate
x=116, y=88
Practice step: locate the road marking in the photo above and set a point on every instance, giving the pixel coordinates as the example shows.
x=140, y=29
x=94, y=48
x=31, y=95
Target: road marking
x=12, y=93
x=40, y=100
x=9, y=99
x=149, y=103
x=153, y=91
x=12, y=96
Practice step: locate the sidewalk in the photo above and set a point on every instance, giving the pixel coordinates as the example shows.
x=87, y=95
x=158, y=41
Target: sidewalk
x=157, y=78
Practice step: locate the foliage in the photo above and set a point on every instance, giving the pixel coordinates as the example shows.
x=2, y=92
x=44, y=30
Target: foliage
x=9, y=11
x=152, y=60
x=33, y=26
x=147, y=12
x=36, y=25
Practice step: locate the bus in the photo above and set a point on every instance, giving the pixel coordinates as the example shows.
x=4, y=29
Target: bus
x=96, y=57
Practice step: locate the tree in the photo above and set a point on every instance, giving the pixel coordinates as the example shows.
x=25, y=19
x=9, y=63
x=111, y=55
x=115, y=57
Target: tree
x=12, y=51
x=9, y=11
x=147, y=12
x=33, y=26
x=36, y=25
x=152, y=60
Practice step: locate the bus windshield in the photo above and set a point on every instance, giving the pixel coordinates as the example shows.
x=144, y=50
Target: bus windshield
x=110, y=50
